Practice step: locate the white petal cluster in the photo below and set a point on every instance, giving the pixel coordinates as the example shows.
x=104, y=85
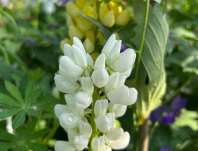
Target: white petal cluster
x=81, y=80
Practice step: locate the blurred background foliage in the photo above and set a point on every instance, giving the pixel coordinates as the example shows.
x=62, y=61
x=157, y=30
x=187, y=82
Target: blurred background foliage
x=30, y=35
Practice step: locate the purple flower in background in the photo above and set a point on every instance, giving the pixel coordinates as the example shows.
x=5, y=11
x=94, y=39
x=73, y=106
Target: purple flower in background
x=157, y=113
x=165, y=149
x=167, y=114
x=5, y=2
x=178, y=103
x=123, y=48
x=167, y=118
x=61, y=2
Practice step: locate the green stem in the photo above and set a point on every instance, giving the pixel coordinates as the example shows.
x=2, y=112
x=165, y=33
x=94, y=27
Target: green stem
x=143, y=37
x=92, y=121
x=52, y=132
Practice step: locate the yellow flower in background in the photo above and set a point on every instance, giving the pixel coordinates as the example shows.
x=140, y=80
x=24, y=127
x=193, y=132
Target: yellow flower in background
x=110, y=13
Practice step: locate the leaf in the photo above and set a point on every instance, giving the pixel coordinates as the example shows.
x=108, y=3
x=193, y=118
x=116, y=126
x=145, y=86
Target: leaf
x=19, y=119
x=6, y=100
x=187, y=118
x=150, y=76
x=14, y=91
x=7, y=113
x=186, y=58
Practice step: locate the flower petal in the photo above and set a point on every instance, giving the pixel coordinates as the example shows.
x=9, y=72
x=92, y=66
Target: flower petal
x=125, y=61
x=109, y=45
x=100, y=77
x=59, y=109
x=115, y=133
x=69, y=69
x=80, y=99
x=105, y=123
x=79, y=57
x=118, y=109
x=100, y=108
x=85, y=129
x=100, y=62
x=123, y=95
x=115, y=80
x=121, y=143
x=87, y=84
x=68, y=120
x=81, y=142
x=64, y=85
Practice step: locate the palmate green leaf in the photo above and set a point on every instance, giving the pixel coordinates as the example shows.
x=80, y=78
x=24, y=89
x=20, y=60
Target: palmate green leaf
x=150, y=73
x=5, y=100
x=8, y=112
x=14, y=91
x=19, y=119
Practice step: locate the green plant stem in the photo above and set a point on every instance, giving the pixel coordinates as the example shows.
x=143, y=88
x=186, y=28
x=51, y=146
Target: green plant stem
x=92, y=121
x=52, y=132
x=144, y=136
x=146, y=17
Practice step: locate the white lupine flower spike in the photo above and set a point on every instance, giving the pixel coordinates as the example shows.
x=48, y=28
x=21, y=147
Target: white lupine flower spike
x=95, y=95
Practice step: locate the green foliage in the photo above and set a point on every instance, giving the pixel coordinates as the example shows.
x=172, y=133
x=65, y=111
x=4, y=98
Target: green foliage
x=29, y=52
x=150, y=71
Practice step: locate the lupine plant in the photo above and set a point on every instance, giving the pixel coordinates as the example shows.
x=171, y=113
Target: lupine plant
x=98, y=75
x=96, y=94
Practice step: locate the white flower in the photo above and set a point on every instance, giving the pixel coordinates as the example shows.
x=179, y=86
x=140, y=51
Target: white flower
x=119, y=62
x=100, y=108
x=87, y=84
x=68, y=120
x=65, y=86
x=114, y=133
x=81, y=142
x=85, y=129
x=74, y=64
x=120, y=143
x=123, y=95
x=79, y=100
x=80, y=79
x=115, y=80
x=68, y=69
x=99, y=144
x=100, y=75
x=105, y=122
x=118, y=109
x=64, y=146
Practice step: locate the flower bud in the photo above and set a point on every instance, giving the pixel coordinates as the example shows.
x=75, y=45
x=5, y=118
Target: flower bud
x=106, y=16
x=65, y=65
x=118, y=109
x=123, y=95
x=122, y=18
x=120, y=143
x=100, y=77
